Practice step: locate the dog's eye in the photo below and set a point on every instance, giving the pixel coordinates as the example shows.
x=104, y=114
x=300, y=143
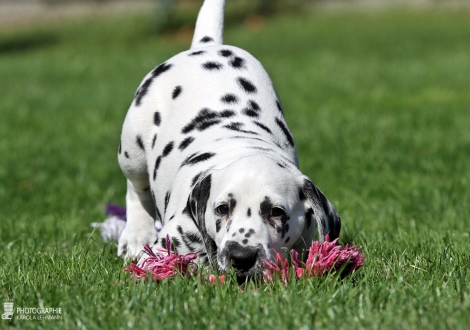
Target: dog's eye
x=277, y=212
x=222, y=209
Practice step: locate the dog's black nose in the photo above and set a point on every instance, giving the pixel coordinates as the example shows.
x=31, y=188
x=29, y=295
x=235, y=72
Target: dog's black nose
x=241, y=258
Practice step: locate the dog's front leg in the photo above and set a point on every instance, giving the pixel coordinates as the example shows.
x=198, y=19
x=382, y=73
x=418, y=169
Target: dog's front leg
x=140, y=227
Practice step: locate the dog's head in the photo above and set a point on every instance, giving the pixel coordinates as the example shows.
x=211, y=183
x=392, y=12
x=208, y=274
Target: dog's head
x=257, y=207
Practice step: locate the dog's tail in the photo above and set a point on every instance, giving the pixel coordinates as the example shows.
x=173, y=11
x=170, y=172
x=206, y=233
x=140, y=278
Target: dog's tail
x=209, y=25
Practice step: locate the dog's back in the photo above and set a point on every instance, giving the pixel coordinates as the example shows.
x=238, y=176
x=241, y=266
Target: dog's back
x=202, y=101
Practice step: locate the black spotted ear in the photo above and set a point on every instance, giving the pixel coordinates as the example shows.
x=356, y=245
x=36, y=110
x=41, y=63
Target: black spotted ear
x=197, y=204
x=328, y=220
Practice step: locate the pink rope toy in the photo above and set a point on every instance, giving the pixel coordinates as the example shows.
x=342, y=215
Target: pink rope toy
x=164, y=265
x=322, y=258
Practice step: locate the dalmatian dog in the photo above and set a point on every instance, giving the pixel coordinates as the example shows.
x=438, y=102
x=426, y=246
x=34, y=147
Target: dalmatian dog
x=206, y=150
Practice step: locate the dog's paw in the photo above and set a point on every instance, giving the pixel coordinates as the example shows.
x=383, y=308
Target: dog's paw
x=132, y=241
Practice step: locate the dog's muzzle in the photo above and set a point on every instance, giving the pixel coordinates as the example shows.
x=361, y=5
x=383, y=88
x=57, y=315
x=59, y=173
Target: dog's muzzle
x=246, y=260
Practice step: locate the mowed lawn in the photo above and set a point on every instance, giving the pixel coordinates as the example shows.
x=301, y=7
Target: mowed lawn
x=379, y=104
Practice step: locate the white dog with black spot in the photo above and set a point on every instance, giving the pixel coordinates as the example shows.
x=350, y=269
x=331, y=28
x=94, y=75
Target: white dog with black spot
x=206, y=150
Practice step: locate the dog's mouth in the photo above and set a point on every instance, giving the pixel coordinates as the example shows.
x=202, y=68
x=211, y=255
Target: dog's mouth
x=246, y=262
x=243, y=272
x=242, y=276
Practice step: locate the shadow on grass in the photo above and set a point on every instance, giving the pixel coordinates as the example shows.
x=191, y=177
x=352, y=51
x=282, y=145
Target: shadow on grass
x=26, y=42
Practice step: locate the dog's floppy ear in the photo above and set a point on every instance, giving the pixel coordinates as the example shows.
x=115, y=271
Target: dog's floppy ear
x=197, y=203
x=328, y=220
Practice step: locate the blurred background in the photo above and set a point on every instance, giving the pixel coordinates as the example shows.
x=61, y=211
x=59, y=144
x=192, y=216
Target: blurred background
x=178, y=13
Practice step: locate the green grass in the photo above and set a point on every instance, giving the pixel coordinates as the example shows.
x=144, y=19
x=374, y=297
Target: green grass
x=379, y=104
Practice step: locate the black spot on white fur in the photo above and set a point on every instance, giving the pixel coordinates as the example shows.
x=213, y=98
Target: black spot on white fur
x=254, y=105
x=185, y=143
x=197, y=158
x=175, y=243
x=252, y=110
x=176, y=92
x=229, y=99
x=265, y=128
x=142, y=91
x=206, y=39
x=261, y=148
x=167, y=199
x=225, y=53
x=208, y=124
x=278, y=104
x=157, y=165
x=241, y=137
x=204, y=119
x=179, y=229
x=237, y=126
x=212, y=66
x=140, y=143
x=157, y=119
x=190, y=239
x=193, y=237
x=247, y=85
x=249, y=233
x=237, y=63
x=250, y=113
x=199, y=52
x=154, y=140
x=227, y=113
x=168, y=148
x=160, y=69
x=286, y=132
